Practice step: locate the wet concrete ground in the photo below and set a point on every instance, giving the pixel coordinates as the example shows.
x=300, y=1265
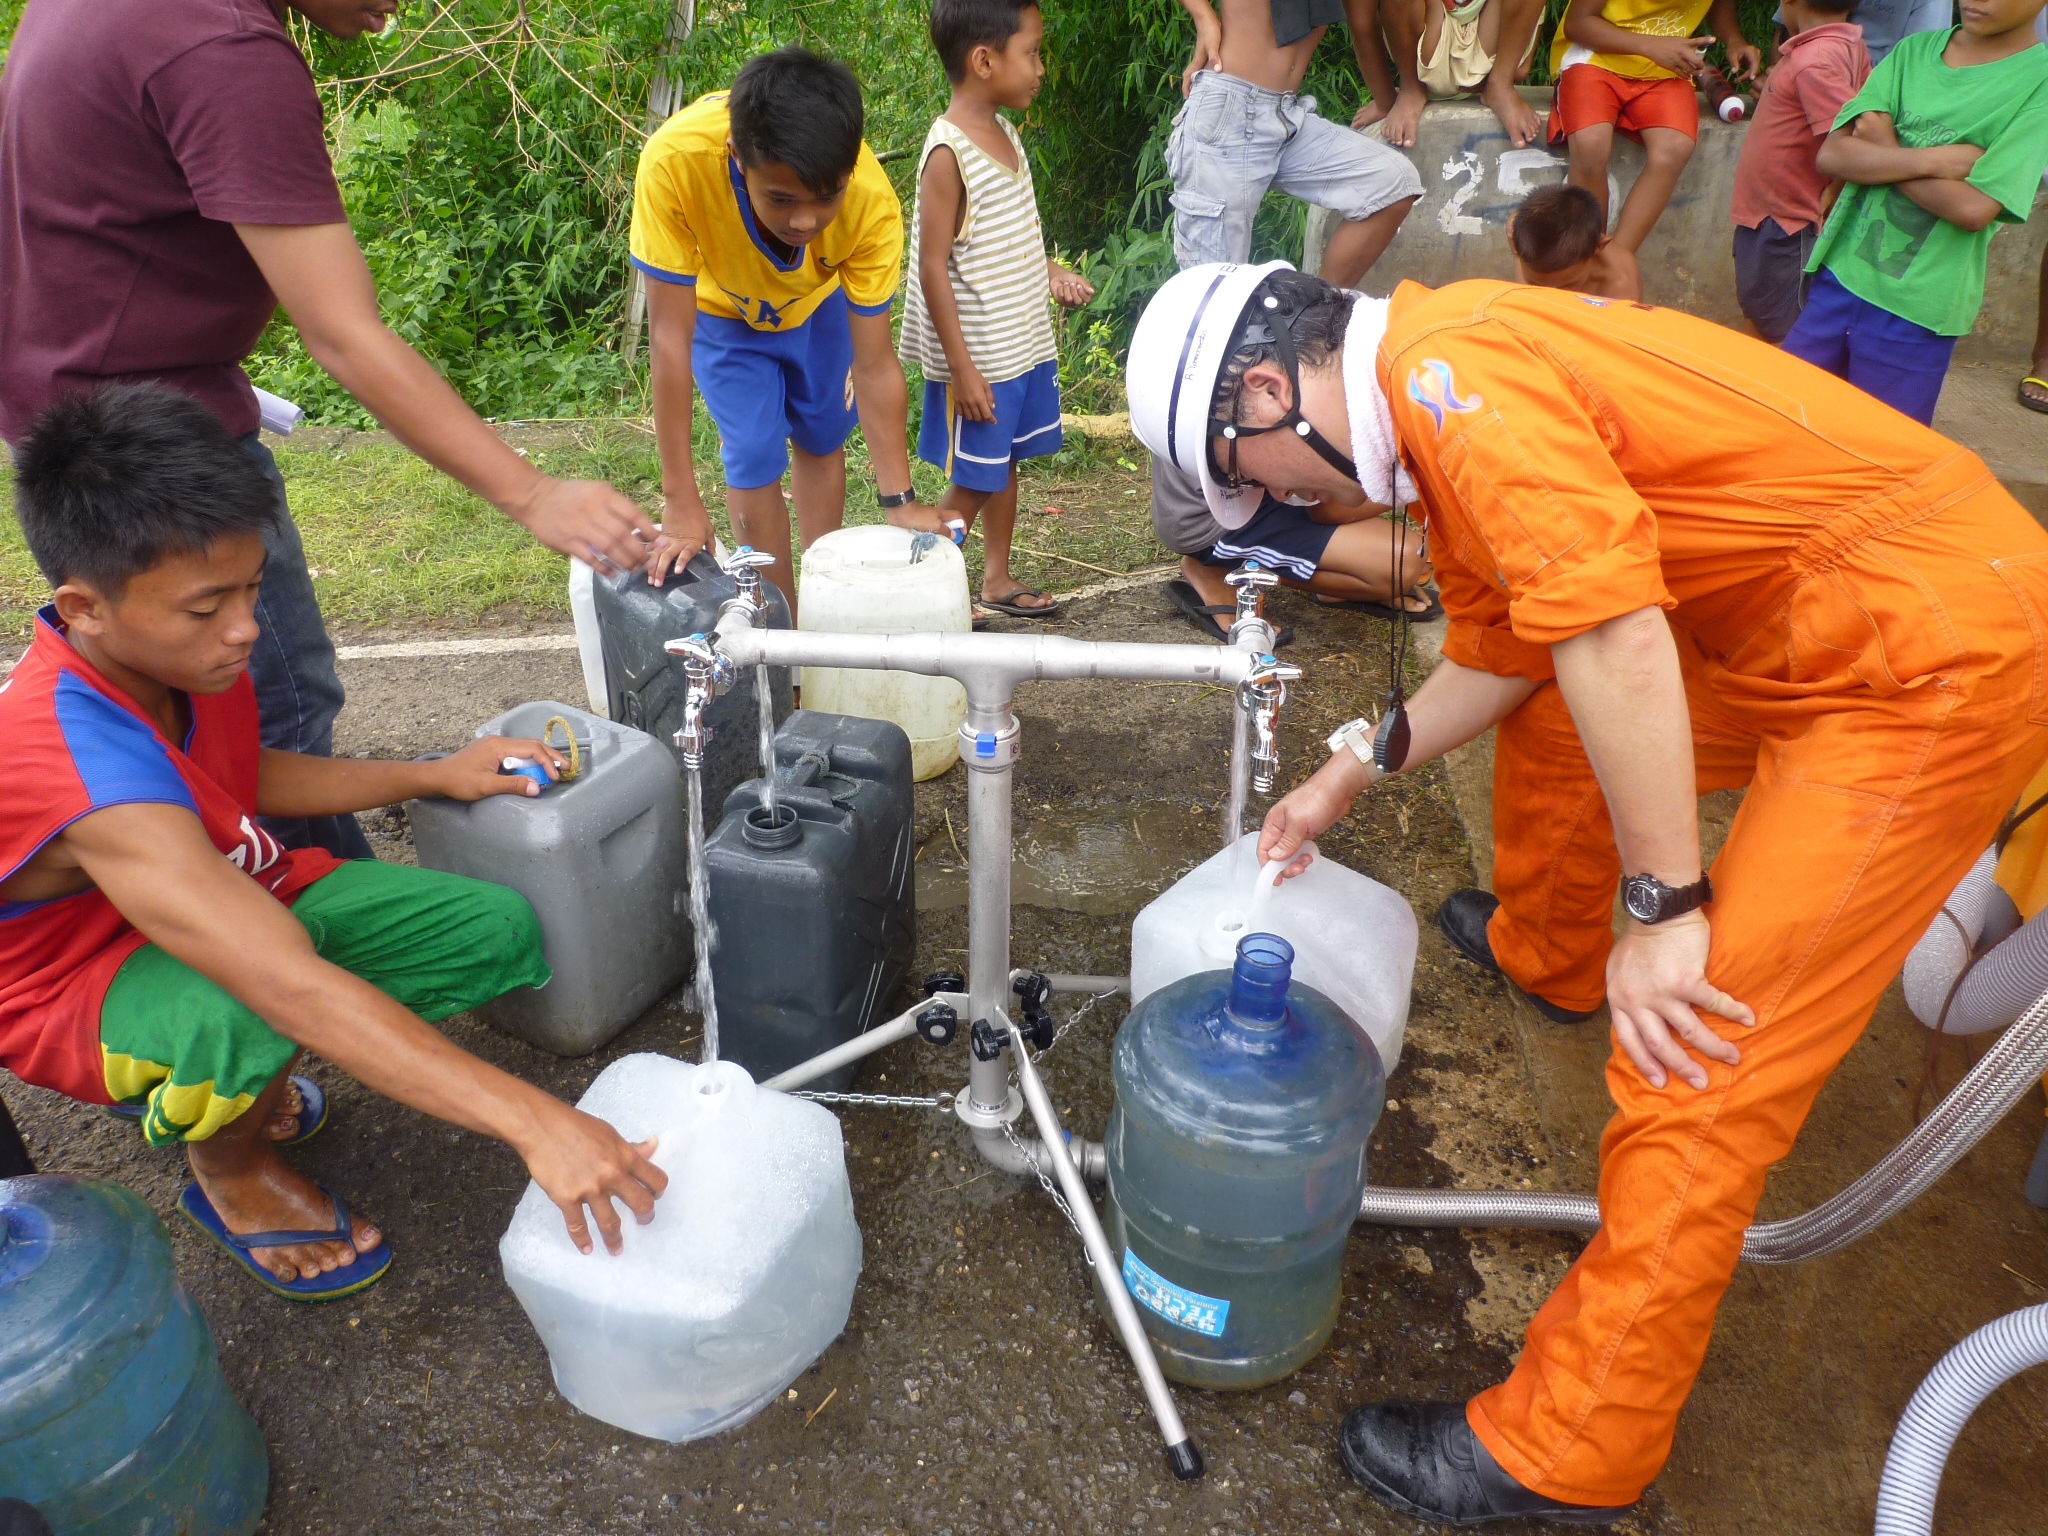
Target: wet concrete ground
x=976, y=1390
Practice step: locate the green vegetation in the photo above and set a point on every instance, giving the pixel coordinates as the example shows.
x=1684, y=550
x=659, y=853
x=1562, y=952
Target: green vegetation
x=390, y=541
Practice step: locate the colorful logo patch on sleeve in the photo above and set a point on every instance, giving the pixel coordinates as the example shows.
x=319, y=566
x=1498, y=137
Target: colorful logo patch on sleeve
x=1187, y=1309
x=1431, y=386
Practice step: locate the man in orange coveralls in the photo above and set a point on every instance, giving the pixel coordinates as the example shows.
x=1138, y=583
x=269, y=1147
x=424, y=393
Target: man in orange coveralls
x=1674, y=558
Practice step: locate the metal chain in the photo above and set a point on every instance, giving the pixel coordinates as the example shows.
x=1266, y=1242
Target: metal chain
x=1072, y=1019
x=1052, y=1189
x=882, y=1100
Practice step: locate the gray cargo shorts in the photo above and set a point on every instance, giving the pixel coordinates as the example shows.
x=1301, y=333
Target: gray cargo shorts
x=1233, y=141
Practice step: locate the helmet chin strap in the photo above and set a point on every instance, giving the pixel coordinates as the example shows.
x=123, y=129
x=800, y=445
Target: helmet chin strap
x=1276, y=326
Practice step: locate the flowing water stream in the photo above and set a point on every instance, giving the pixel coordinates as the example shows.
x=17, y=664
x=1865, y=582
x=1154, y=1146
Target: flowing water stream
x=767, y=702
x=700, y=917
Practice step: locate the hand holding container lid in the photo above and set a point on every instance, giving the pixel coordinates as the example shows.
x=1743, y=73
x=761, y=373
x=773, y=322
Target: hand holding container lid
x=885, y=580
x=603, y=857
x=1236, y=1157
x=742, y=1279
x=1353, y=938
x=114, y=1417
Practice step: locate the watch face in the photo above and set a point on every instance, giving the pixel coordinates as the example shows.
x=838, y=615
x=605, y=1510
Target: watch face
x=1640, y=897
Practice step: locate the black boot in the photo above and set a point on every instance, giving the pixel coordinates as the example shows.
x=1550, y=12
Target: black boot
x=1463, y=918
x=1423, y=1460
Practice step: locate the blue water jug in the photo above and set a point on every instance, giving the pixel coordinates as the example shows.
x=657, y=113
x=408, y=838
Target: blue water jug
x=114, y=1417
x=1236, y=1163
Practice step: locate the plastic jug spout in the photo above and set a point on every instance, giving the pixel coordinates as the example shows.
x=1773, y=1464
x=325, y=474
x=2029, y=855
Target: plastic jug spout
x=1258, y=981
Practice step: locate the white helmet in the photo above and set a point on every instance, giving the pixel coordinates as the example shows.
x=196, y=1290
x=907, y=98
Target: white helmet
x=1170, y=377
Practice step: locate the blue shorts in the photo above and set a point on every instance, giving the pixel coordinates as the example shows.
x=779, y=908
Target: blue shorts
x=1282, y=537
x=766, y=389
x=979, y=455
x=1886, y=355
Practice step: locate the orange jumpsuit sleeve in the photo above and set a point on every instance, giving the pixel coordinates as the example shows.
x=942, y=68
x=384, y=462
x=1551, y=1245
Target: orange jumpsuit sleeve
x=1538, y=508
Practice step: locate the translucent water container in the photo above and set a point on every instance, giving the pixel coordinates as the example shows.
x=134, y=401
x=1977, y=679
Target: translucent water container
x=742, y=1279
x=883, y=580
x=1236, y=1163
x=1353, y=938
x=604, y=858
x=114, y=1417
x=644, y=684
x=815, y=908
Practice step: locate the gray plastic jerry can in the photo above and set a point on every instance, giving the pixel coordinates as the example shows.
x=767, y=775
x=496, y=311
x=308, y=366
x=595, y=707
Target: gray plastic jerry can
x=644, y=685
x=603, y=857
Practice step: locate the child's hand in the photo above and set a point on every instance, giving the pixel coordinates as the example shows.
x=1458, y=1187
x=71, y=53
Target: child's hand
x=684, y=531
x=1745, y=62
x=1683, y=56
x=919, y=518
x=1950, y=162
x=1068, y=287
x=1208, y=52
x=472, y=773
x=972, y=397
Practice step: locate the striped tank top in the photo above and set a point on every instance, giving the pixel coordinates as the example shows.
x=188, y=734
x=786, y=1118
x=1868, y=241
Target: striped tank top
x=997, y=267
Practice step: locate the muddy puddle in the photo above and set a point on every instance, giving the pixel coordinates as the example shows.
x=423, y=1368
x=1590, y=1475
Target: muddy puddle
x=1102, y=862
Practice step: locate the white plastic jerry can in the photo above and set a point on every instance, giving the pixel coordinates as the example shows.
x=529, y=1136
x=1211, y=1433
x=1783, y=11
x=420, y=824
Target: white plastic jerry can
x=1353, y=938
x=886, y=580
x=742, y=1279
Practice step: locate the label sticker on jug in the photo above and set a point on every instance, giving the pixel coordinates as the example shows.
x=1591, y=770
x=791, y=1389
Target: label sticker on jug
x=1188, y=1309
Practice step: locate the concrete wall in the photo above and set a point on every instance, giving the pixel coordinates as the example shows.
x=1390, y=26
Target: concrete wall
x=1471, y=179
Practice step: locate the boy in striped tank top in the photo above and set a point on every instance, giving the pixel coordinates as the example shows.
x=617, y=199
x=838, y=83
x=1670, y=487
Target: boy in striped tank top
x=975, y=315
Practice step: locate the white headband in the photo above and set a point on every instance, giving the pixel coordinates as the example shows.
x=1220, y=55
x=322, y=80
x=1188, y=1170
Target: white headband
x=1373, y=448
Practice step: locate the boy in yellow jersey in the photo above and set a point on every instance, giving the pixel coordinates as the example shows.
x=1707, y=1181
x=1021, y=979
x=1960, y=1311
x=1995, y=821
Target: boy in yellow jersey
x=1628, y=65
x=772, y=243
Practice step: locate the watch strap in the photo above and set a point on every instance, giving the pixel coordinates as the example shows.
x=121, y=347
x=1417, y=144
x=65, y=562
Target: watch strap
x=1672, y=901
x=889, y=501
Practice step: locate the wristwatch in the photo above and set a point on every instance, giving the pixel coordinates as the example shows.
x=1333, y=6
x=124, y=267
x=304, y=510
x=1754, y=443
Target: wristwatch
x=1649, y=900
x=890, y=501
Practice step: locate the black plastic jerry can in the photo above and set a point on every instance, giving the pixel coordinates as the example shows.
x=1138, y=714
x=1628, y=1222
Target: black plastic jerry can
x=644, y=686
x=814, y=912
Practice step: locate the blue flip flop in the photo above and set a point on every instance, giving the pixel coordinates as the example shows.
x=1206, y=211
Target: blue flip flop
x=367, y=1269
x=312, y=1111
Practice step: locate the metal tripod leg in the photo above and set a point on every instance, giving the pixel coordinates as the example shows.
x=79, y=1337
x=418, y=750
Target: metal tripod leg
x=1181, y=1454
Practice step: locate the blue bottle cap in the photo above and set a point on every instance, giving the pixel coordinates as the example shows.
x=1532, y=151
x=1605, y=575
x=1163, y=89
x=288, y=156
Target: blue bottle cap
x=525, y=768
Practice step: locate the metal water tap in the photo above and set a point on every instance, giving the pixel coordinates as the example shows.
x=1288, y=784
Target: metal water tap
x=1253, y=582
x=745, y=565
x=706, y=675
x=1260, y=695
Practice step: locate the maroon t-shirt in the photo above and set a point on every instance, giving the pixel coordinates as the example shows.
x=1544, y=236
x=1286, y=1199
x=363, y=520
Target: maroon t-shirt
x=134, y=134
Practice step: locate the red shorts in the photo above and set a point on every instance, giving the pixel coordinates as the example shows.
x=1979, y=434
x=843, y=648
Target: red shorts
x=1588, y=95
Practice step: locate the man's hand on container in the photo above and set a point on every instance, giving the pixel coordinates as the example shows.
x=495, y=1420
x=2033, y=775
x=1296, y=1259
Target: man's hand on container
x=1310, y=810
x=472, y=773
x=685, y=529
x=1656, y=979
x=586, y=519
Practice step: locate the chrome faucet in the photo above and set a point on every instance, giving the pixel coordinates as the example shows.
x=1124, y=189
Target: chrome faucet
x=706, y=675
x=1260, y=695
x=745, y=565
x=1253, y=582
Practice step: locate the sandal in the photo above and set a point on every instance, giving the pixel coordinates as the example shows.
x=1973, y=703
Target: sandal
x=1203, y=615
x=1392, y=611
x=312, y=1116
x=1016, y=610
x=2029, y=401
x=366, y=1270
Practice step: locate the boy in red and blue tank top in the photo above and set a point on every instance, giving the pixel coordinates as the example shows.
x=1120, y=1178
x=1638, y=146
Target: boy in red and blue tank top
x=161, y=952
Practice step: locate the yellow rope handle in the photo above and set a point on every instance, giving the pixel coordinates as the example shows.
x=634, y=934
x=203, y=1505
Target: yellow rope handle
x=547, y=739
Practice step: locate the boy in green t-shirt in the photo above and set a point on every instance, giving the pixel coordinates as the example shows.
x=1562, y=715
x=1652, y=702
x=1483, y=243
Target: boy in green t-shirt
x=1948, y=136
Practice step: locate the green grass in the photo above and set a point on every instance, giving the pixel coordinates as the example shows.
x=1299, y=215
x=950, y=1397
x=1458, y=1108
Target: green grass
x=393, y=543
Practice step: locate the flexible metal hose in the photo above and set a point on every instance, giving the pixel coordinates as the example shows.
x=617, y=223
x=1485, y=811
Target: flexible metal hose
x=2006, y=1071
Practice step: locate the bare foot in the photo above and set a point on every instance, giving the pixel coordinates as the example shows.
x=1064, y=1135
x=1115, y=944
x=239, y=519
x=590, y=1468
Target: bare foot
x=1516, y=115
x=1208, y=582
x=265, y=1194
x=1370, y=113
x=1399, y=127
x=284, y=1124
